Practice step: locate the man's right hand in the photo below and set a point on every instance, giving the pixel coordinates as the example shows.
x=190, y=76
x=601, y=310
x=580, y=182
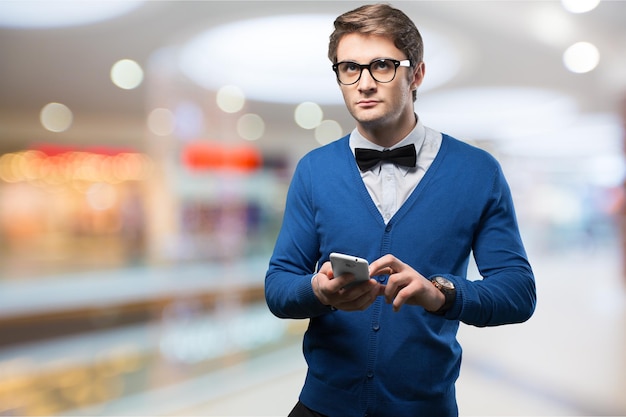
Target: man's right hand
x=332, y=291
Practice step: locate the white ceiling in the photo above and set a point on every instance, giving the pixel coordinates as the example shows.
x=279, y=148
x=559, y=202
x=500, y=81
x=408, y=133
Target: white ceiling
x=499, y=43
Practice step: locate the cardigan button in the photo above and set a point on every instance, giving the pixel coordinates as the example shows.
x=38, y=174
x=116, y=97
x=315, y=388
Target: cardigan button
x=388, y=228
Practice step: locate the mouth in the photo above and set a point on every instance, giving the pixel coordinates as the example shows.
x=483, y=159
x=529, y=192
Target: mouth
x=367, y=103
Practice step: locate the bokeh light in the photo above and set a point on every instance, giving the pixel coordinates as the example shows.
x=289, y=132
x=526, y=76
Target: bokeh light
x=328, y=131
x=230, y=99
x=581, y=57
x=126, y=74
x=73, y=166
x=56, y=117
x=161, y=122
x=250, y=126
x=579, y=6
x=308, y=115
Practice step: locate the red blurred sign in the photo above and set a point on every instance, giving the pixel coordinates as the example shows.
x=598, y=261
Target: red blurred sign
x=204, y=155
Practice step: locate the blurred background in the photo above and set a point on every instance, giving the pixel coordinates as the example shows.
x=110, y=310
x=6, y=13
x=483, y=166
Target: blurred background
x=145, y=152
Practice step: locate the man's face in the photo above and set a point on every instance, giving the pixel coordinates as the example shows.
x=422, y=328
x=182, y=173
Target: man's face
x=371, y=103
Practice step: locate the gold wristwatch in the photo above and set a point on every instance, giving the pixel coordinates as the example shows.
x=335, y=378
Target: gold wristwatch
x=449, y=291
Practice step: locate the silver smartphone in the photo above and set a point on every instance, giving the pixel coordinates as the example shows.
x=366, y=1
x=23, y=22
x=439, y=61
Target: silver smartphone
x=348, y=264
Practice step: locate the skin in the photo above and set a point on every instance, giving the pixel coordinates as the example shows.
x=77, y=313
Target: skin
x=384, y=115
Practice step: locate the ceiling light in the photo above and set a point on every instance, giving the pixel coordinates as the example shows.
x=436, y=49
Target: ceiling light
x=47, y=14
x=266, y=63
x=284, y=59
x=581, y=57
x=579, y=6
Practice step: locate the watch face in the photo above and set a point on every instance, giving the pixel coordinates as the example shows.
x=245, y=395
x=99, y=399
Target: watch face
x=445, y=283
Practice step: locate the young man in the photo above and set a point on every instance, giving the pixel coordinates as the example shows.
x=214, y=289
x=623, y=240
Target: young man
x=387, y=347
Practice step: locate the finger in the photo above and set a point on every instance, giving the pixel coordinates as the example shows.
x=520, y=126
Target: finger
x=327, y=269
x=386, y=270
x=380, y=263
x=344, y=280
x=381, y=290
x=388, y=264
x=395, y=284
x=360, y=303
x=354, y=292
x=358, y=297
x=328, y=289
x=371, y=296
x=400, y=299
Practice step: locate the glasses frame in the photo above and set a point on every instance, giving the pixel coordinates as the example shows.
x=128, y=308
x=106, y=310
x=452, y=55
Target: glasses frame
x=395, y=62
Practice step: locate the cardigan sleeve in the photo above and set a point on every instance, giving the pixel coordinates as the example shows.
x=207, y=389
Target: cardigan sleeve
x=507, y=292
x=288, y=289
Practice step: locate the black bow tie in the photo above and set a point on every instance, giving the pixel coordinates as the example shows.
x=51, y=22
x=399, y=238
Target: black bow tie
x=368, y=158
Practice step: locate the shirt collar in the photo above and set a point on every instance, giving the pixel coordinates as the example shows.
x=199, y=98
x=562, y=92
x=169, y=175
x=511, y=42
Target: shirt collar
x=415, y=137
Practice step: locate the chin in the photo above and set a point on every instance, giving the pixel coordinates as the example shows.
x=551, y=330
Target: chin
x=371, y=120
x=366, y=116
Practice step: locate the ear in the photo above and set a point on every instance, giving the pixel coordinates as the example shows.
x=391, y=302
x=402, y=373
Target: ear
x=418, y=75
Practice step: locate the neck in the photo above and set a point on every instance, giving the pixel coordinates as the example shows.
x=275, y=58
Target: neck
x=390, y=133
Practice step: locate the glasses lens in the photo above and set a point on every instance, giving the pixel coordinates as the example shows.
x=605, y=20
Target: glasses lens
x=383, y=70
x=348, y=72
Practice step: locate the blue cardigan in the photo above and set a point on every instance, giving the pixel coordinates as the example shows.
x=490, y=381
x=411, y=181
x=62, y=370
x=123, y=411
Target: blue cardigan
x=378, y=362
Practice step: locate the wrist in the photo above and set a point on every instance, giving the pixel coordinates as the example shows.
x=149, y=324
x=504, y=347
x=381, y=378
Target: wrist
x=438, y=300
x=447, y=290
x=315, y=284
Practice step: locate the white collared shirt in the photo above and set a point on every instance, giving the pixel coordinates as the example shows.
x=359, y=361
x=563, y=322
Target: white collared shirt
x=390, y=185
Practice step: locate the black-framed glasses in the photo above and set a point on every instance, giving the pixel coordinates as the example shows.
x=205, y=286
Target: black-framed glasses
x=381, y=70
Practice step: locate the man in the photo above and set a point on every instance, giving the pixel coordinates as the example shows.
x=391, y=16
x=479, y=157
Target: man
x=387, y=347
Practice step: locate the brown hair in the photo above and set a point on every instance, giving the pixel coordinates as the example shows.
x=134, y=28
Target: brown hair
x=380, y=20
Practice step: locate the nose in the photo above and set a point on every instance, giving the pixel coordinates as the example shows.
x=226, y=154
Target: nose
x=366, y=82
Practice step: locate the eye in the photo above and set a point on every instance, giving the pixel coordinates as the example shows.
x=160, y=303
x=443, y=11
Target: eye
x=349, y=67
x=381, y=65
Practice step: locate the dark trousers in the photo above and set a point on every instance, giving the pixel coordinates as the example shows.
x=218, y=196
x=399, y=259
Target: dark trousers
x=300, y=410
